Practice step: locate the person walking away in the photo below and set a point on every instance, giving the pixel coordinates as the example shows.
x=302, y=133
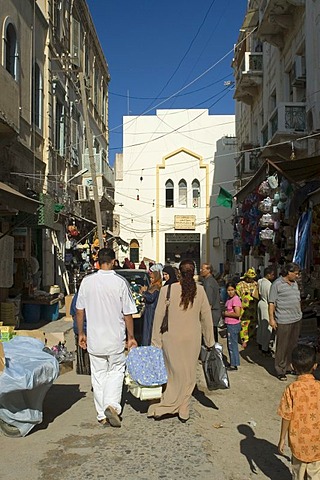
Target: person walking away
x=212, y=290
x=189, y=317
x=247, y=290
x=299, y=409
x=285, y=317
x=169, y=275
x=106, y=298
x=232, y=321
x=150, y=297
x=264, y=330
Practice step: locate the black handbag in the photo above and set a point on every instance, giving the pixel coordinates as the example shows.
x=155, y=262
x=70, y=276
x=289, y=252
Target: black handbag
x=164, y=326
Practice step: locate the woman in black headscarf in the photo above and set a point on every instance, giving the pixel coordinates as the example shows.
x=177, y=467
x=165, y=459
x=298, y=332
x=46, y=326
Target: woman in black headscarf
x=169, y=275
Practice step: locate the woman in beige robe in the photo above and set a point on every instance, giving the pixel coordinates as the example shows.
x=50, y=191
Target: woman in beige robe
x=189, y=318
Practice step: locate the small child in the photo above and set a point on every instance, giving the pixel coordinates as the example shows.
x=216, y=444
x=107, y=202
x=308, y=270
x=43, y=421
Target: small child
x=232, y=321
x=300, y=412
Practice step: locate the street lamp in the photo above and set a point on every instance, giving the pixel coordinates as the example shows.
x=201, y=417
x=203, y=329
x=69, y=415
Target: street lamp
x=78, y=174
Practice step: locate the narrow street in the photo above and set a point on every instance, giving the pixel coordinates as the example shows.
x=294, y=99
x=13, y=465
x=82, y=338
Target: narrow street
x=232, y=434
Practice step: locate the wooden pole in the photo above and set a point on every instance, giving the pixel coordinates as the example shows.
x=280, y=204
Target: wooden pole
x=91, y=159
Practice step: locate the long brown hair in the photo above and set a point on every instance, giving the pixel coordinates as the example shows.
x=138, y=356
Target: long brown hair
x=188, y=285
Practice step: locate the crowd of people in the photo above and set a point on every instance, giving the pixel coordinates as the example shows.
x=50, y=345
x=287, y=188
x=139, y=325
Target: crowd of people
x=181, y=314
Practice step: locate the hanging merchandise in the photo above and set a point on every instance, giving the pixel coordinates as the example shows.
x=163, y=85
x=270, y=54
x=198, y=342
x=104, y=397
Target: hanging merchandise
x=273, y=181
x=266, y=220
x=302, y=238
x=265, y=205
x=266, y=234
x=264, y=189
x=276, y=198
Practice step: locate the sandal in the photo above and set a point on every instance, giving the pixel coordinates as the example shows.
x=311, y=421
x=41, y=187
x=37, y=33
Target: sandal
x=282, y=377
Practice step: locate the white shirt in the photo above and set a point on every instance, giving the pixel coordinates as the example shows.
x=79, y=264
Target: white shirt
x=106, y=298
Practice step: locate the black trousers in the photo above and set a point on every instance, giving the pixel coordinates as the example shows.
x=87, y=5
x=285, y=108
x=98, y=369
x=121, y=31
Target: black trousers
x=287, y=339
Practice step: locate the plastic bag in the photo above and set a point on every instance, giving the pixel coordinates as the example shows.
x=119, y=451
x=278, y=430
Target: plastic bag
x=266, y=234
x=273, y=181
x=265, y=205
x=266, y=220
x=214, y=368
x=264, y=188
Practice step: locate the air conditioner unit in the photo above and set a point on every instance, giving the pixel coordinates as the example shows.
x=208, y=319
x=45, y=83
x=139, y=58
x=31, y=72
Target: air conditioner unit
x=298, y=70
x=83, y=194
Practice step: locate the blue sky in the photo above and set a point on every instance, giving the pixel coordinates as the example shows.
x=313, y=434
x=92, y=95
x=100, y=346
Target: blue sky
x=155, y=48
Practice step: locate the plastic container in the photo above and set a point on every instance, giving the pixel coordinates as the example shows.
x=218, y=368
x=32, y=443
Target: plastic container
x=50, y=313
x=31, y=313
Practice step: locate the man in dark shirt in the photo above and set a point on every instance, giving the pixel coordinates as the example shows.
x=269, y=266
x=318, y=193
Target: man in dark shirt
x=212, y=290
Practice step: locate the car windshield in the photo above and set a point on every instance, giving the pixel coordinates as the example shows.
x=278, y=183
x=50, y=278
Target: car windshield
x=135, y=276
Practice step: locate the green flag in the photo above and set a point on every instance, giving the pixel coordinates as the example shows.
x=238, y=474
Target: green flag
x=225, y=199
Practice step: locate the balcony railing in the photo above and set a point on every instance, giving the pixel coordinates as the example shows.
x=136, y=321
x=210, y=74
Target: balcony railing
x=286, y=118
x=9, y=101
x=101, y=163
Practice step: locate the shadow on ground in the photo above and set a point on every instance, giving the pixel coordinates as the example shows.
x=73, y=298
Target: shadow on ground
x=58, y=400
x=262, y=455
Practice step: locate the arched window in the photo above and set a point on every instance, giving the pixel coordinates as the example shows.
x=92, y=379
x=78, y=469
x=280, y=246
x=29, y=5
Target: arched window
x=195, y=193
x=37, y=92
x=134, y=251
x=11, y=50
x=169, y=193
x=183, y=193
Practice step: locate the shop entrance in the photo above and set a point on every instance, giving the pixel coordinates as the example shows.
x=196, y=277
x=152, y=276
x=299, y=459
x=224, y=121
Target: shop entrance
x=180, y=246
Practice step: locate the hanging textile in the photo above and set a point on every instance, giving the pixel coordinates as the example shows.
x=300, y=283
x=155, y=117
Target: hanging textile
x=302, y=238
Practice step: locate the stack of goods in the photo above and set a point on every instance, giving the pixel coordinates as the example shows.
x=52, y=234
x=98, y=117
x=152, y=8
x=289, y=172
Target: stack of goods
x=9, y=314
x=137, y=296
x=6, y=333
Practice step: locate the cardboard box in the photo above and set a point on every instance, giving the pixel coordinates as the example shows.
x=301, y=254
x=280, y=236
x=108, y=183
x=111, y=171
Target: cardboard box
x=68, y=300
x=39, y=334
x=65, y=367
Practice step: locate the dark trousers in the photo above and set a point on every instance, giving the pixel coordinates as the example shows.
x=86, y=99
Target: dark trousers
x=287, y=340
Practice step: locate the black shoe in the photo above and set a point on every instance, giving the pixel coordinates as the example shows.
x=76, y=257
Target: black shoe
x=266, y=353
x=183, y=420
x=282, y=377
x=232, y=368
x=291, y=372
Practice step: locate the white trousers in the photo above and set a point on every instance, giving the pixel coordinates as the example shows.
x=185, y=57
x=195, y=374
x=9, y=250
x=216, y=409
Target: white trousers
x=305, y=471
x=107, y=373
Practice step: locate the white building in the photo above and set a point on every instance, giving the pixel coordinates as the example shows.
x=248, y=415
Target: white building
x=165, y=192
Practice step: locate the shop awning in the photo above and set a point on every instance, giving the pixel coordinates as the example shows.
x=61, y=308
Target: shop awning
x=116, y=238
x=296, y=171
x=16, y=200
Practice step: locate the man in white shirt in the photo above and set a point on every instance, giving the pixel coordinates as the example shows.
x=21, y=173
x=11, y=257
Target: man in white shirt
x=107, y=301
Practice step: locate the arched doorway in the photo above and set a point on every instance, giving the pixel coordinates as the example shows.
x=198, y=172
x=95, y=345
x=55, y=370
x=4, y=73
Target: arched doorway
x=134, y=251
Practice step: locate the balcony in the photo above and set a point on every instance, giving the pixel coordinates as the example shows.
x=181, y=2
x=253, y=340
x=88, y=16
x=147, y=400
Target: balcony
x=101, y=163
x=287, y=122
x=249, y=77
x=275, y=19
x=9, y=104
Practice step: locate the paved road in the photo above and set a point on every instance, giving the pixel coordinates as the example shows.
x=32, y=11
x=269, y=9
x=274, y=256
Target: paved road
x=231, y=434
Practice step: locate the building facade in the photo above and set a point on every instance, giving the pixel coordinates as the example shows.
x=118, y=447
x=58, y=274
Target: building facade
x=165, y=195
x=277, y=119
x=46, y=44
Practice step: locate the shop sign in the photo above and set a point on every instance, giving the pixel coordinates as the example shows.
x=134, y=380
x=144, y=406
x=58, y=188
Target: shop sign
x=185, y=222
x=182, y=237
